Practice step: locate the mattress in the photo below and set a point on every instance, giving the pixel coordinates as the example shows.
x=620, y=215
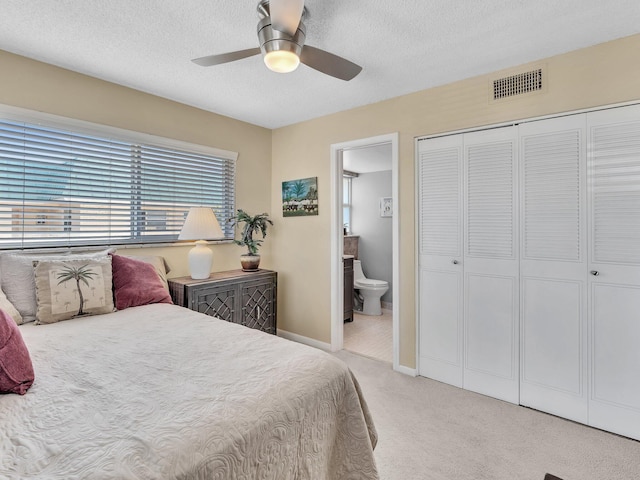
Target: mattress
x=162, y=392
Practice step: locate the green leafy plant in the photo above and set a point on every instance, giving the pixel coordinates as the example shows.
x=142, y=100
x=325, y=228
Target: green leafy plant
x=252, y=224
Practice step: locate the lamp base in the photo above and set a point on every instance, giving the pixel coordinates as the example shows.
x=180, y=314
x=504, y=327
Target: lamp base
x=200, y=260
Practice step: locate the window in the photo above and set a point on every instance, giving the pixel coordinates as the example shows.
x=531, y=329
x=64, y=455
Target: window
x=69, y=183
x=346, y=203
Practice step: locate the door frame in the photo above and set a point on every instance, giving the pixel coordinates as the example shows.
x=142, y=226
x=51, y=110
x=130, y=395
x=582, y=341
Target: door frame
x=337, y=244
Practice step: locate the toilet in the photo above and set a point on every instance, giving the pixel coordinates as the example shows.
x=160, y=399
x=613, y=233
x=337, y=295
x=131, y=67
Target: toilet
x=371, y=290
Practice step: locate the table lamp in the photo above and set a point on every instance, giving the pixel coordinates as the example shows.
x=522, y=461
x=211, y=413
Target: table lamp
x=201, y=223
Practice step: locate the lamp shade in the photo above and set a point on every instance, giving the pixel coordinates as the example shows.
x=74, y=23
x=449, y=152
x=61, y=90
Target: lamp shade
x=201, y=223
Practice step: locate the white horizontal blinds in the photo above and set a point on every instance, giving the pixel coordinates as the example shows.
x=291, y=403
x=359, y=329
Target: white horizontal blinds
x=58, y=186
x=172, y=180
x=615, y=174
x=62, y=188
x=439, y=202
x=490, y=207
x=551, y=198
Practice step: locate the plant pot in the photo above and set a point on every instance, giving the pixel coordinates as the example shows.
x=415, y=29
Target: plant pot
x=249, y=263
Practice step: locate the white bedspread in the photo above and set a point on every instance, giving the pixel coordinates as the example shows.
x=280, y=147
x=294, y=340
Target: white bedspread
x=161, y=392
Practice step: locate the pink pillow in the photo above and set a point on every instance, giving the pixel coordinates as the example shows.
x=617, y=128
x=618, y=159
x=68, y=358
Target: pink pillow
x=16, y=369
x=136, y=283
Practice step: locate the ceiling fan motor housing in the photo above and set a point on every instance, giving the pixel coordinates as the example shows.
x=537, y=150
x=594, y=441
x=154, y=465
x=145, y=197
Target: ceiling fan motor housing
x=272, y=40
x=283, y=44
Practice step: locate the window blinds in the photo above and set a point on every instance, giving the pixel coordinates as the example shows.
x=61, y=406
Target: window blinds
x=69, y=188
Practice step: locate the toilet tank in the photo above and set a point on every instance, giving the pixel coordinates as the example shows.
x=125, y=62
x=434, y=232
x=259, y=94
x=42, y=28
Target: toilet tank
x=357, y=270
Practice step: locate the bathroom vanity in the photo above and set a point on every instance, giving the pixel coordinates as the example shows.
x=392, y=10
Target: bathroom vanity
x=351, y=245
x=347, y=261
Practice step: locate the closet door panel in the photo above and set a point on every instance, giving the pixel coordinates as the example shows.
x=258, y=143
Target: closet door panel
x=553, y=370
x=491, y=263
x=614, y=269
x=615, y=389
x=553, y=266
x=440, y=260
x=491, y=339
x=441, y=326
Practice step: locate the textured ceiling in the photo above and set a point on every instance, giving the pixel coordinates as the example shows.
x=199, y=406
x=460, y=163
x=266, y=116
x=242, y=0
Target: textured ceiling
x=403, y=46
x=372, y=158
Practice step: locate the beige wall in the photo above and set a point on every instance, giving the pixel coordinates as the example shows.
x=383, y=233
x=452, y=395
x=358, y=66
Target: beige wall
x=600, y=75
x=37, y=86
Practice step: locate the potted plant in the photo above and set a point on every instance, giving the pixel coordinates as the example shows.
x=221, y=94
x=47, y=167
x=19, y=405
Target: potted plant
x=252, y=224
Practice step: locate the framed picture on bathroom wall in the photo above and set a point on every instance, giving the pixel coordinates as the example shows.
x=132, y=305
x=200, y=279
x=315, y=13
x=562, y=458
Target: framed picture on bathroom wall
x=386, y=207
x=300, y=197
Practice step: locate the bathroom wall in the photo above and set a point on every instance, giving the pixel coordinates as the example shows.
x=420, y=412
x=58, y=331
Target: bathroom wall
x=375, y=247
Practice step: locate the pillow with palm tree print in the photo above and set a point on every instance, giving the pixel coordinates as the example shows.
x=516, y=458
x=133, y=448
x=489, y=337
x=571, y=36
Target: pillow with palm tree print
x=71, y=288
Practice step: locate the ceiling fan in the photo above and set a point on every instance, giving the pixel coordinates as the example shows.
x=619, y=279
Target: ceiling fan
x=281, y=33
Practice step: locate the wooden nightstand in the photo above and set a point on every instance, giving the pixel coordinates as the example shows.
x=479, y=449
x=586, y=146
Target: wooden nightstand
x=247, y=298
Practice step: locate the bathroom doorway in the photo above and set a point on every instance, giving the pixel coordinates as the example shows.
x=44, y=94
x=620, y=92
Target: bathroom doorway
x=365, y=207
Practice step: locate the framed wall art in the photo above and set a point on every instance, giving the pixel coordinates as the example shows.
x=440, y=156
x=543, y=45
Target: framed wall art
x=300, y=197
x=386, y=206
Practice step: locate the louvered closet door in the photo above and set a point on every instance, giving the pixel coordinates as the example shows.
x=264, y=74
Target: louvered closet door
x=440, y=262
x=491, y=343
x=553, y=266
x=614, y=270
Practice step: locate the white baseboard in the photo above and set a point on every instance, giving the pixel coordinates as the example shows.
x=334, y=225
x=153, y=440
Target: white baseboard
x=304, y=340
x=412, y=372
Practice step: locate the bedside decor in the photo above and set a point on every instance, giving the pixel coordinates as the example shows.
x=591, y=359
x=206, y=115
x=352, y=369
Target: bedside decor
x=252, y=224
x=300, y=197
x=201, y=223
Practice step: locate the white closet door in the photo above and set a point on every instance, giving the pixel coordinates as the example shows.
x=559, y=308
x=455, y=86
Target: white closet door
x=440, y=263
x=491, y=333
x=614, y=270
x=553, y=266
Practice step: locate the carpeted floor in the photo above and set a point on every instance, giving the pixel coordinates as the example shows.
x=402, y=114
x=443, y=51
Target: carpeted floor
x=432, y=431
x=370, y=335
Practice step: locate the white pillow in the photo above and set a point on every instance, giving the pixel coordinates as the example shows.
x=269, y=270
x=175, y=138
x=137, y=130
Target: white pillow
x=9, y=309
x=18, y=280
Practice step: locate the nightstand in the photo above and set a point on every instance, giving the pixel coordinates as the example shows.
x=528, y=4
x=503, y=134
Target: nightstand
x=247, y=298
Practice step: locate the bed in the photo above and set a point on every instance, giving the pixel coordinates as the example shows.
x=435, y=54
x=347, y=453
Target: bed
x=161, y=392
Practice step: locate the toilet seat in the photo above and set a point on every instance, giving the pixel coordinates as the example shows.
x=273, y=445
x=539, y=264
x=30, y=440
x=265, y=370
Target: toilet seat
x=370, y=283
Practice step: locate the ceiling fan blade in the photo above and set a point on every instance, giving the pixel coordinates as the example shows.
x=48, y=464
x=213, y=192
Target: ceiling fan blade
x=225, y=57
x=286, y=15
x=329, y=63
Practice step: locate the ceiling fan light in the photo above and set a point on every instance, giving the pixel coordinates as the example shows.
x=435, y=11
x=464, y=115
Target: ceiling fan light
x=281, y=61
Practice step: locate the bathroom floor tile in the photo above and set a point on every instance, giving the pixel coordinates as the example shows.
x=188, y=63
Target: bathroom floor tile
x=370, y=335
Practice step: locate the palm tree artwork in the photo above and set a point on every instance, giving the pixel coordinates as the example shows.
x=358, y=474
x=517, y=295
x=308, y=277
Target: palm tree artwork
x=300, y=197
x=81, y=274
x=299, y=188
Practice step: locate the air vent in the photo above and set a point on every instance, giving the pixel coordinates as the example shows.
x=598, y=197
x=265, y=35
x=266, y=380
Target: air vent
x=517, y=84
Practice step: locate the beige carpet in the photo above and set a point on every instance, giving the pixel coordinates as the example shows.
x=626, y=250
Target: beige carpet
x=432, y=431
x=370, y=335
